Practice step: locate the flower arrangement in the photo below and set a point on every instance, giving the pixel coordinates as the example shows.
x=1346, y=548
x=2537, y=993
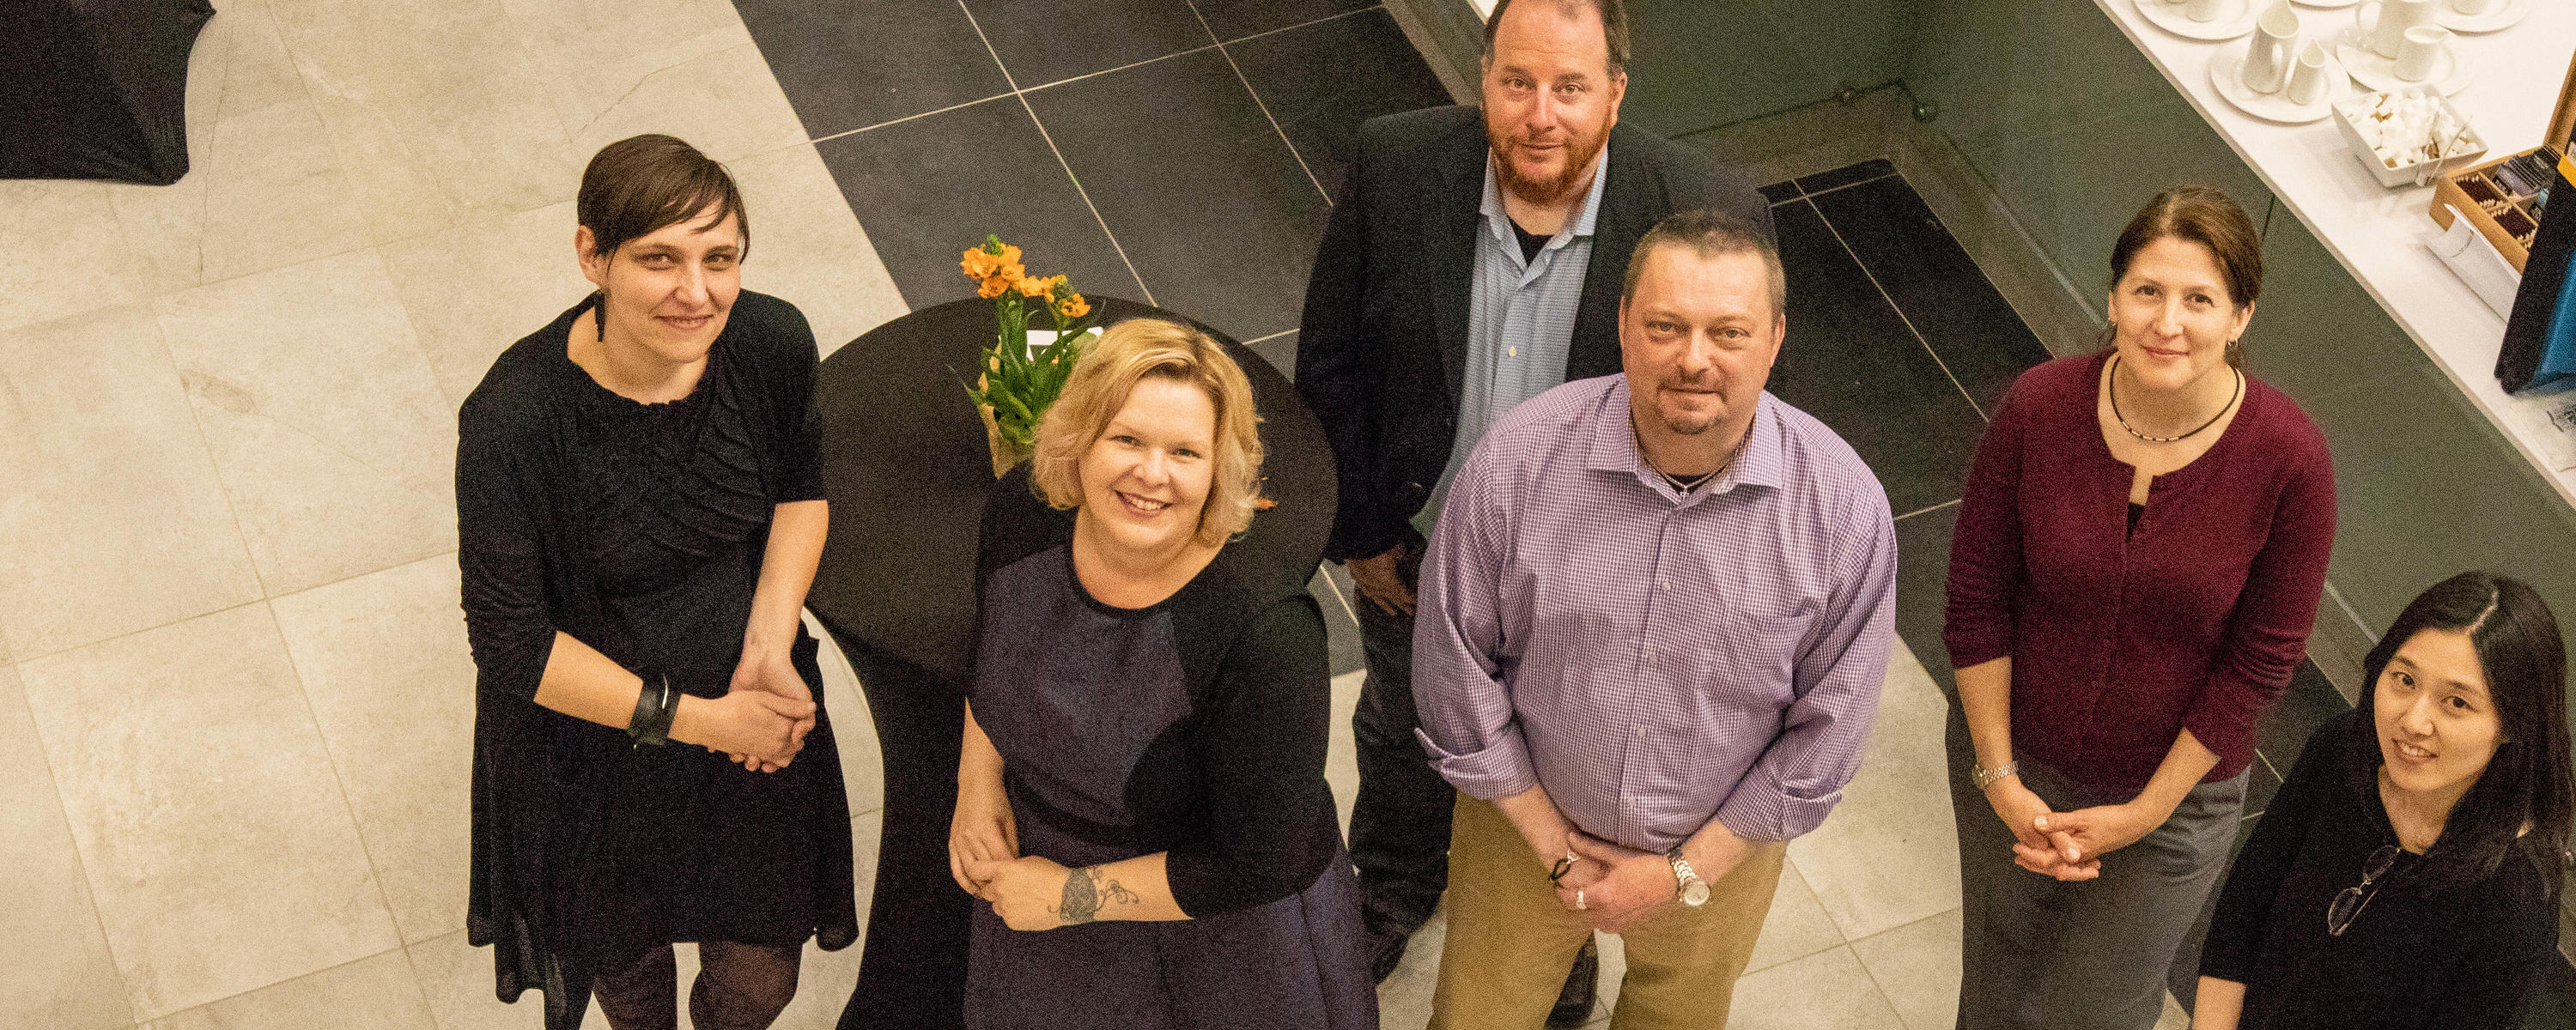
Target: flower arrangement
x=1017, y=383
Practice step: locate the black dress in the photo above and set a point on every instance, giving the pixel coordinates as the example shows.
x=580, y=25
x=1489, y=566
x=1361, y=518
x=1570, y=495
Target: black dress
x=639, y=530
x=2413, y=959
x=1193, y=727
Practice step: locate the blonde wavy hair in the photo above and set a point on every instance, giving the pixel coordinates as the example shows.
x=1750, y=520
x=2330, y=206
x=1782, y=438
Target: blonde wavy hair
x=1108, y=371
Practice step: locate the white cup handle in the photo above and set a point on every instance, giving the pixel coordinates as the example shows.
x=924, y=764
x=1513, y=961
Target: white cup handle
x=2361, y=20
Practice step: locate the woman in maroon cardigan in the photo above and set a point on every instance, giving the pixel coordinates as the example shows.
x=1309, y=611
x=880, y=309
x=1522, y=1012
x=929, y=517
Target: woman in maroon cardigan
x=2137, y=562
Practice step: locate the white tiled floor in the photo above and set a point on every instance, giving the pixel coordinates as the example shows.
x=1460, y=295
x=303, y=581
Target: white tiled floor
x=234, y=691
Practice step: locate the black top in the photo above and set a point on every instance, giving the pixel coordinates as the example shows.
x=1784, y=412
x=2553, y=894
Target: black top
x=2413, y=958
x=1195, y=726
x=639, y=530
x=1531, y=243
x=1382, y=343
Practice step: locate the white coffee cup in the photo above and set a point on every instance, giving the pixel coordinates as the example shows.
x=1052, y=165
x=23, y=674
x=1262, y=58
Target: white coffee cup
x=2269, y=57
x=2203, y=10
x=2474, y=6
x=2421, y=51
x=2308, y=78
x=2386, y=30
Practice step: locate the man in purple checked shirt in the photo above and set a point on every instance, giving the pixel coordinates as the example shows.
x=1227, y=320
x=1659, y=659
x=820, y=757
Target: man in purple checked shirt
x=1654, y=620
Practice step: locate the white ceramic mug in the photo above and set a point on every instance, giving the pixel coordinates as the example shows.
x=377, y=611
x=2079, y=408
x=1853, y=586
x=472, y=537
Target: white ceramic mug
x=2203, y=10
x=2421, y=51
x=2475, y=6
x=2273, y=50
x=2308, y=79
x=2386, y=30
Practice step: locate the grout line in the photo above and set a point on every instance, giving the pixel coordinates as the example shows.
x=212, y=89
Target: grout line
x=1844, y=186
x=1132, y=64
x=1900, y=312
x=1336, y=588
x=1268, y=338
x=1920, y=511
x=341, y=783
x=2267, y=764
x=910, y=117
x=1264, y=107
x=80, y=861
x=1059, y=154
x=1299, y=25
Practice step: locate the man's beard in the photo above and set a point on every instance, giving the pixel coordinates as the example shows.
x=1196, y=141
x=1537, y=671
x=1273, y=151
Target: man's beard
x=1579, y=153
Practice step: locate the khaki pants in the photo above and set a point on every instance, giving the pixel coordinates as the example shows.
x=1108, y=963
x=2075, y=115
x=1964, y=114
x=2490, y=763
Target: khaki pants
x=1509, y=941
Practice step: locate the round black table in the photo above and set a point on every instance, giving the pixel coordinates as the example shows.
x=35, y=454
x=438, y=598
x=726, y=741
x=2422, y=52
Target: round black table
x=906, y=468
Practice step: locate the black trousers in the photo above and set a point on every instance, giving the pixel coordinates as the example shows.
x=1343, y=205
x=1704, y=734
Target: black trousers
x=913, y=973
x=1400, y=821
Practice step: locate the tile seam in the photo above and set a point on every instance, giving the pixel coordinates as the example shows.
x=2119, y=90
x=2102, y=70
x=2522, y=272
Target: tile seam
x=1262, y=106
x=1892, y=305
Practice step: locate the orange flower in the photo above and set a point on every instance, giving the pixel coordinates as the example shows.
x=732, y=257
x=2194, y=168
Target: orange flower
x=983, y=262
x=993, y=287
x=1037, y=289
x=1073, y=307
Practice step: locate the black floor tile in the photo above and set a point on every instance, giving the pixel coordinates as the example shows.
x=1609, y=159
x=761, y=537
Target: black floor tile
x=1922, y=576
x=2259, y=788
x=1978, y=336
x=1341, y=630
x=1846, y=175
x=1780, y=192
x=1234, y=19
x=2306, y=705
x=1850, y=361
x=1207, y=200
x=1043, y=41
x=929, y=188
x=1321, y=81
x=1281, y=352
x=848, y=66
x=2184, y=978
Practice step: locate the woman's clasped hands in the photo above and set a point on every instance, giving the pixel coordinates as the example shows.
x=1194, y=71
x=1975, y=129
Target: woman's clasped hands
x=763, y=718
x=2066, y=845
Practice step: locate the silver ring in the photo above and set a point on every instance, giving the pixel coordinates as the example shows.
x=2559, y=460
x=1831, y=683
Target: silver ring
x=1578, y=899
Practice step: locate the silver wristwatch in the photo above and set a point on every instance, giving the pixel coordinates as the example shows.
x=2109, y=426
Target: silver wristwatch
x=1693, y=890
x=1986, y=777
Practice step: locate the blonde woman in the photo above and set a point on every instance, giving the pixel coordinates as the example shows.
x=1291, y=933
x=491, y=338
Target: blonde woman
x=1141, y=804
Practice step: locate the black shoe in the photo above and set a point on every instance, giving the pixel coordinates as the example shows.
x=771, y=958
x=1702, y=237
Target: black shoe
x=1384, y=950
x=1582, y=984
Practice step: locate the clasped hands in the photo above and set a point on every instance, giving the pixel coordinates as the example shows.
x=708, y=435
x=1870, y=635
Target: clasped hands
x=2066, y=845
x=766, y=712
x=984, y=856
x=1614, y=887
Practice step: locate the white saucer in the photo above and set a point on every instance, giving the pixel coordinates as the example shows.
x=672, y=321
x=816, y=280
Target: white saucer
x=2325, y=5
x=2451, y=74
x=2236, y=19
x=2502, y=17
x=2226, y=75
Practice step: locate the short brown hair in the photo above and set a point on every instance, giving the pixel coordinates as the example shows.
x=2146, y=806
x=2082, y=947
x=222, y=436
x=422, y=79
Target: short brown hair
x=1614, y=26
x=1108, y=371
x=638, y=185
x=1709, y=233
x=2207, y=217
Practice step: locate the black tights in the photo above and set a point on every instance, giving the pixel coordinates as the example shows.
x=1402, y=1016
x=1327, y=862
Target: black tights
x=740, y=987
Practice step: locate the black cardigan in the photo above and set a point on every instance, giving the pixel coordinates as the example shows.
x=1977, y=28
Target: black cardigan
x=2414, y=959
x=1237, y=798
x=1382, y=346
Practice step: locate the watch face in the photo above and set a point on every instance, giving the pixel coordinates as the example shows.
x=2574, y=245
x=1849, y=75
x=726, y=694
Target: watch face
x=1696, y=894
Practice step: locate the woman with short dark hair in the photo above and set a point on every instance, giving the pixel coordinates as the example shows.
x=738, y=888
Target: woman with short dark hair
x=2138, y=558
x=2406, y=875
x=639, y=514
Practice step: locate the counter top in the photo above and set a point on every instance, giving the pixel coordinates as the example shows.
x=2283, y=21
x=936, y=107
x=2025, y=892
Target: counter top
x=2380, y=234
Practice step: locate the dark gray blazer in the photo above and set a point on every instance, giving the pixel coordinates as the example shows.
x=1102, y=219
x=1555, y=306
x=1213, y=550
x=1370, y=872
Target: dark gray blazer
x=1383, y=344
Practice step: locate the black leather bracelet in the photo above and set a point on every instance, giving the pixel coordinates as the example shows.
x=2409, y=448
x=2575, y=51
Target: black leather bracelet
x=654, y=707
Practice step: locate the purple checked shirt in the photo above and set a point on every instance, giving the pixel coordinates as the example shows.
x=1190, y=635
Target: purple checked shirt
x=1655, y=659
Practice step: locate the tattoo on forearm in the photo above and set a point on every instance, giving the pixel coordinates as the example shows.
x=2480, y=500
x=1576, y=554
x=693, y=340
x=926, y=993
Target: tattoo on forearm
x=1085, y=891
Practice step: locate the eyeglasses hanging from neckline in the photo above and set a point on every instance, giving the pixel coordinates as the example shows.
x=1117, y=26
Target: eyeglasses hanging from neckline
x=2349, y=903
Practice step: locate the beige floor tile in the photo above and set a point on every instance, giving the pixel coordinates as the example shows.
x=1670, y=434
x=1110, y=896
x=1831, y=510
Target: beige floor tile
x=1917, y=966
x=808, y=248
x=862, y=758
x=385, y=666
x=1889, y=854
x=1404, y=1000
x=164, y=225
x=275, y=193
x=335, y=444
x=724, y=102
x=1341, y=752
x=475, y=289
x=1796, y=927
x=435, y=109
x=210, y=823
x=373, y=993
x=60, y=974
x=457, y=979
x=65, y=253
x=577, y=35
x=1825, y=991
x=114, y=519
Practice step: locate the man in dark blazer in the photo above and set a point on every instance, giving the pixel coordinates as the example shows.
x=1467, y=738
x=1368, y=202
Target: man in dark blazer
x=1422, y=308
